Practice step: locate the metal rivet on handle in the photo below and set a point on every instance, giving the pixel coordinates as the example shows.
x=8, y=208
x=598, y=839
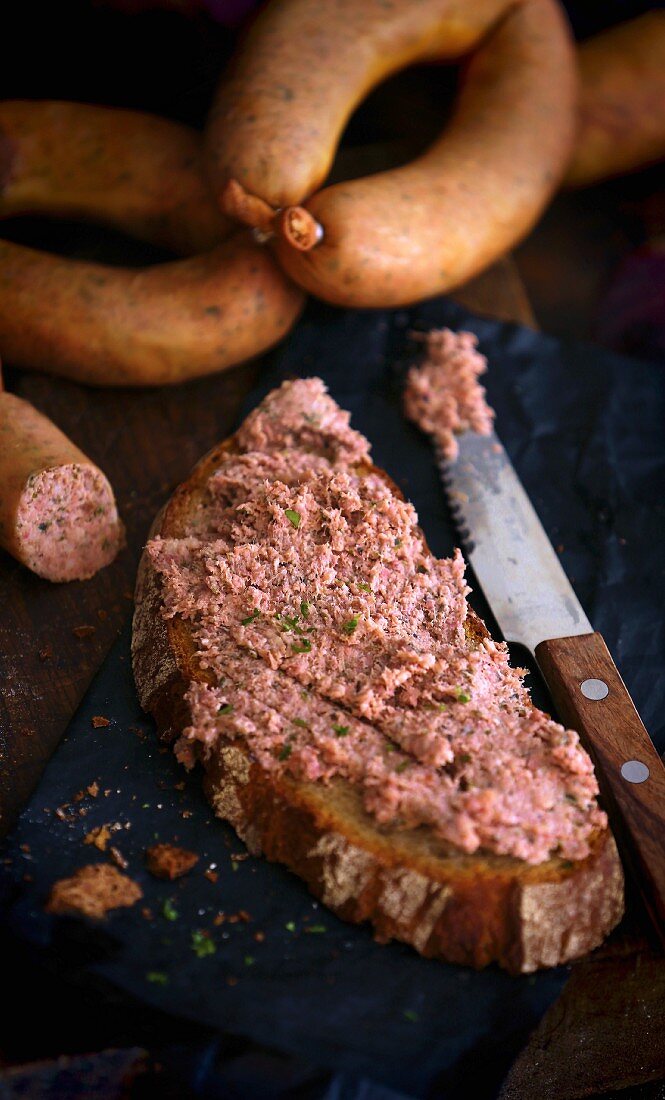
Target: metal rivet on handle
x=594, y=689
x=634, y=771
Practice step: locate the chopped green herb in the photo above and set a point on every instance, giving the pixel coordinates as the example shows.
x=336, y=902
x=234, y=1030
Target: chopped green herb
x=305, y=646
x=234, y=865
x=391, y=746
x=398, y=542
x=315, y=928
x=290, y=926
x=293, y=517
x=341, y=731
x=464, y=758
x=350, y=625
x=462, y=696
x=363, y=586
x=169, y=910
x=443, y=706
x=157, y=977
x=202, y=944
x=403, y=766
x=226, y=708
x=304, y=609
x=300, y=722
x=249, y=960
x=285, y=752
x=410, y=1015
x=571, y=798
x=250, y=618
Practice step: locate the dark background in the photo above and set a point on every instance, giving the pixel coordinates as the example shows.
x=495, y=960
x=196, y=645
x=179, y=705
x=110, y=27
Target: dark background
x=580, y=266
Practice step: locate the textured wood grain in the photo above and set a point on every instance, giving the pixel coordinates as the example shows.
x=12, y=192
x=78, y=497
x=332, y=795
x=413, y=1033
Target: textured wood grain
x=613, y=733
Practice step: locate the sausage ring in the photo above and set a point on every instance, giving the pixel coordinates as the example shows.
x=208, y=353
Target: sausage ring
x=621, y=123
x=412, y=232
x=125, y=169
x=109, y=326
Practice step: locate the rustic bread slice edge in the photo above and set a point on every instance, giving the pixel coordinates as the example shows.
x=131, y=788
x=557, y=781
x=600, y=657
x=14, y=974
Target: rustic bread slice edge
x=473, y=910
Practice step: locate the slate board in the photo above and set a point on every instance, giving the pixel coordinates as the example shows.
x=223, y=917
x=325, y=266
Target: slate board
x=585, y=430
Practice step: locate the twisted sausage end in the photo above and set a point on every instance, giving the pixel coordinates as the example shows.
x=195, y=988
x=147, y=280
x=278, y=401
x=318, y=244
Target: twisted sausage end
x=298, y=228
x=239, y=204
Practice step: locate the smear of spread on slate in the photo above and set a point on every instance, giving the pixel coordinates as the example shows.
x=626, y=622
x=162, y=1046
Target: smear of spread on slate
x=338, y=646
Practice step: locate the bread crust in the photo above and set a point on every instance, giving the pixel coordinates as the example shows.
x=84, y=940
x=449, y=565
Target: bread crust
x=469, y=909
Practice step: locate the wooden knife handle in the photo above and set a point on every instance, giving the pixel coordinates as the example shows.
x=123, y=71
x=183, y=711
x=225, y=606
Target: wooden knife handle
x=591, y=697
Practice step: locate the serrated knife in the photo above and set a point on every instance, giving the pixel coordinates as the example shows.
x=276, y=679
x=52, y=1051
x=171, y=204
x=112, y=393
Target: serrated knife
x=535, y=606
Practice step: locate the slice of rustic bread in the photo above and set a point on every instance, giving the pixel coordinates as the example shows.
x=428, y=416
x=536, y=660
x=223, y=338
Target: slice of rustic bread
x=471, y=909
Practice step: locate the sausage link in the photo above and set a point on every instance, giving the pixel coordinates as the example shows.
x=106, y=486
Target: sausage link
x=622, y=101
x=110, y=326
x=58, y=515
x=125, y=169
x=406, y=234
x=280, y=110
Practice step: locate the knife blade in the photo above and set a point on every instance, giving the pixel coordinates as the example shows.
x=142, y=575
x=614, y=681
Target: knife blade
x=535, y=605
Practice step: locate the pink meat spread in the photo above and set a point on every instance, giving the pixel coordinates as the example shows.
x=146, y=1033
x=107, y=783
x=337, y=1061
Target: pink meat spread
x=67, y=524
x=338, y=647
x=443, y=396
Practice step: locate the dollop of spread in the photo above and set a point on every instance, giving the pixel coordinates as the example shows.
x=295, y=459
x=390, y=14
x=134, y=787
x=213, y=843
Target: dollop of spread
x=443, y=395
x=338, y=647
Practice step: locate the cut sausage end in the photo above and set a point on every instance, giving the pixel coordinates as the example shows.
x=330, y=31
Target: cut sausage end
x=239, y=204
x=67, y=524
x=299, y=229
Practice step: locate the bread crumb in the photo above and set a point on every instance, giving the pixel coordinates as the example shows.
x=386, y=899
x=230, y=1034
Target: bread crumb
x=99, y=721
x=168, y=861
x=92, y=891
x=99, y=836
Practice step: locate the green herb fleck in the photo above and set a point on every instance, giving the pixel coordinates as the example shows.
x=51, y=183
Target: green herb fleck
x=300, y=722
x=250, y=618
x=350, y=625
x=398, y=542
x=464, y=758
x=202, y=944
x=157, y=977
x=305, y=646
x=403, y=766
x=391, y=746
x=285, y=752
x=315, y=928
x=443, y=706
x=226, y=708
x=571, y=798
x=169, y=910
x=462, y=696
x=249, y=960
x=304, y=609
x=293, y=517
x=290, y=926
x=363, y=586
x=341, y=731
x=411, y=1016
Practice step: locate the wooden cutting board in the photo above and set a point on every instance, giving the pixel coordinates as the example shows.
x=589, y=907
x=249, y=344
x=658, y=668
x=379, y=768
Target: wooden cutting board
x=606, y=1031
